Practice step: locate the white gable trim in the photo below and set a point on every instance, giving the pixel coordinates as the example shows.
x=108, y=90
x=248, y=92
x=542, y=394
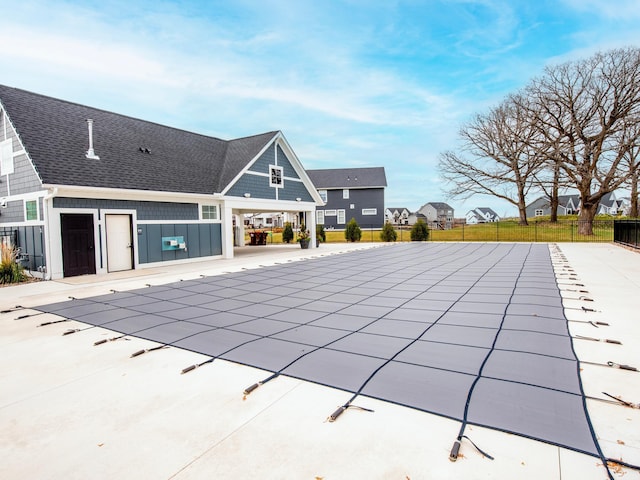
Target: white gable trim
x=279, y=140
x=22, y=150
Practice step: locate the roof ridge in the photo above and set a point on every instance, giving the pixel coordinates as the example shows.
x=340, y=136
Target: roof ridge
x=102, y=110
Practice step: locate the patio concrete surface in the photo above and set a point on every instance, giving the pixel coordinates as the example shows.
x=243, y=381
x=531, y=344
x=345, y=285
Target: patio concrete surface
x=71, y=410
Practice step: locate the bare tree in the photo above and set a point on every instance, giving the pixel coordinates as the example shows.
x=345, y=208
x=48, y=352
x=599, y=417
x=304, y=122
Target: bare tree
x=589, y=113
x=500, y=155
x=633, y=163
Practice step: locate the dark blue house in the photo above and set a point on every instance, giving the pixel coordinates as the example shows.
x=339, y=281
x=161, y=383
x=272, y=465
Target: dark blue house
x=350, y=193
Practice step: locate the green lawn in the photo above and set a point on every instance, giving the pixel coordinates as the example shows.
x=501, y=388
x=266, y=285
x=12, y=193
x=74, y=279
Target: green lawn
x=540, y=230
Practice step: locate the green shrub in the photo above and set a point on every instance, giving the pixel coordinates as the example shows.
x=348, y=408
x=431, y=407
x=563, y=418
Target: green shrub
x=419, y=231
x=352, y=233
x=10, y=270
x=320, y=233
x=287, y=233
x=388, y=233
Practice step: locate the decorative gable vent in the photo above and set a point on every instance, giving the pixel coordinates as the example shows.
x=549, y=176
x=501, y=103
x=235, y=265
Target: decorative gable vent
x=90, y=153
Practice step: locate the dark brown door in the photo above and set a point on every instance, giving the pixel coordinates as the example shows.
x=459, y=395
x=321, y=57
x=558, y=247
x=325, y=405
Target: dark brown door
x=78, y=247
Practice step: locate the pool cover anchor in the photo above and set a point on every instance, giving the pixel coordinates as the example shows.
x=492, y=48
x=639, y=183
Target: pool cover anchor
x=605, y=340
x=196, y=365
x=12, y=309
x=147, y=350
x=29, y=315
x=341, y=409
x=455, y=450
x=622, y=367
x=52, y=322
x=106, y=340
x=251, y=388
x=611, y=364
x=623, y=402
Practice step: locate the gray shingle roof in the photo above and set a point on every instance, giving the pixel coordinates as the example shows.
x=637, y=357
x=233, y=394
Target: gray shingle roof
x=438, y=206
x=348, y=177
x=55, y=135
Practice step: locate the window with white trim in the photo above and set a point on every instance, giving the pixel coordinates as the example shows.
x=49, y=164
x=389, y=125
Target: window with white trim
x=539, y=212
x=31, y=210
x=323, y=195
x=345, y=193
x=275, y=176
x=352, y=206
x=6, y=157
x=341, y=217
x=369, y=211
x=209, y=212
x=330, y=213
x=320, y=217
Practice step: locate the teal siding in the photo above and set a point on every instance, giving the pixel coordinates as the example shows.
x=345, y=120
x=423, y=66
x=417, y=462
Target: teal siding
x=202, y=239
x=261, y=165
x=144, y=210
x=256, y=185
x=283, y=161
x=293, y=190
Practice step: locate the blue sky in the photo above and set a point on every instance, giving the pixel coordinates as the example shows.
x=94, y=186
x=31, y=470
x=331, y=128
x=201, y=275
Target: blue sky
x=350, y=83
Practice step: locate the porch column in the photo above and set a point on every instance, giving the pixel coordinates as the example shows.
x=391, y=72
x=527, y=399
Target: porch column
x=310, y=218
x=227, y=232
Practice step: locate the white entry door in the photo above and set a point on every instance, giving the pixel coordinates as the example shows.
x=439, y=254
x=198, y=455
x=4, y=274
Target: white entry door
x=119, y=243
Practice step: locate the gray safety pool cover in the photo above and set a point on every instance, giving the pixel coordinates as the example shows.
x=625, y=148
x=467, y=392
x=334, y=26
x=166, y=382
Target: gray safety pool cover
x=473, y=332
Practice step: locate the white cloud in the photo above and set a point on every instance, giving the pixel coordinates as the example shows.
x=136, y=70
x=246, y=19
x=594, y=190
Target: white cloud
x=614, y=9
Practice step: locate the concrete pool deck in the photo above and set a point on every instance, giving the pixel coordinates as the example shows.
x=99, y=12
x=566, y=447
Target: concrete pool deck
x=68, y=410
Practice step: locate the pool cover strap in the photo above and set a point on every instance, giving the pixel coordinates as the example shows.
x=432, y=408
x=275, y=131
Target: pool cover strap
x=455, y=450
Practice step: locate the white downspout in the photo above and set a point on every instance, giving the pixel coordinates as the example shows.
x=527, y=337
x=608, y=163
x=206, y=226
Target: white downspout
x=47, y=206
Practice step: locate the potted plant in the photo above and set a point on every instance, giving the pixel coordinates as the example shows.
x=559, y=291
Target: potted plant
x=303, y=237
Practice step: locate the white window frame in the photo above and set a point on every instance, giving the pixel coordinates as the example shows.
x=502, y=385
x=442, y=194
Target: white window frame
x=320, y=217
x=369, y=211
x=6, y=157
x=539, y=212
x=330, y=213
x=345, y=194
x=272, y=170
x=323, y=195
x=24, y=203
x=341, y=217
x=208, y=206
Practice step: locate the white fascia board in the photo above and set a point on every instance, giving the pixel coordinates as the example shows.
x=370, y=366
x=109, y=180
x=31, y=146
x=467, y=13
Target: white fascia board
x=267, y=205
x=125, y=194
x=23, y=150
x=297, y=166
x=348, y=187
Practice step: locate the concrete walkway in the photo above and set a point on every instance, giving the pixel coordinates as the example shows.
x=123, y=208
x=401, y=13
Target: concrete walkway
x=71, y=410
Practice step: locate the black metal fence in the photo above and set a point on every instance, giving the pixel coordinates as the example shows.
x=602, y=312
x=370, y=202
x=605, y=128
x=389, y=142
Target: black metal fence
x=627, y=232
x=561, y=231
x=9, y=237
x=601, y=231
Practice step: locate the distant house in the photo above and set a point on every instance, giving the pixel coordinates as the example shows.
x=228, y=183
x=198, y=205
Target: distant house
x=86, y=191
x=397, y=215
x=481, y=215
x=570, y=205
x=439, y=215
x=350, y=193
x=414, y=216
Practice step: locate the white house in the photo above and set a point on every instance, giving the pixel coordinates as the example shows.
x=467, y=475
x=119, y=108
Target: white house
x=481, y=215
